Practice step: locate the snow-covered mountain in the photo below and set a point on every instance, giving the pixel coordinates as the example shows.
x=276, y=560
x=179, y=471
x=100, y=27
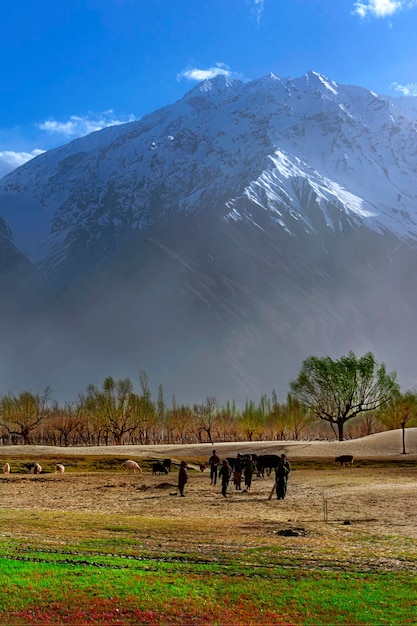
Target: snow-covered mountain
x=220, y=240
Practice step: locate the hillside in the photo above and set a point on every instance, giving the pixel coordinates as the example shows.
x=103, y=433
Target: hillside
x=386, y=445
x=216, y=243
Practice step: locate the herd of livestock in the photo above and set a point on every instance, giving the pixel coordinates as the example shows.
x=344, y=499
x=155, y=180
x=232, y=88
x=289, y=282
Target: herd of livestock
x=263, y=463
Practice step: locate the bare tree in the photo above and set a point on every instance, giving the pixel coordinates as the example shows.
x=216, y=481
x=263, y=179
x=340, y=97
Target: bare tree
x=67, y=421
x=21, y=415
x=206, y=417
x=180, y=422
x=113, y=404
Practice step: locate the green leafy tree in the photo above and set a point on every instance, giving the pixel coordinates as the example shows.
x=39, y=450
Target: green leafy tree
x=298, y=416
x=146, y=418
x=400, y=412
x=276, y=419
x=21, y=415
x=337, y=391
x=252, y=420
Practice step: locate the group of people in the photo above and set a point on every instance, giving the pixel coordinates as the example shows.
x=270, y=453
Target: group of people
x=243, y=468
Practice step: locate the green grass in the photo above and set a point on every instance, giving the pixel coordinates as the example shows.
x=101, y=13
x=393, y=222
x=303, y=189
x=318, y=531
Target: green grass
x=74, y=567
x=55, y=587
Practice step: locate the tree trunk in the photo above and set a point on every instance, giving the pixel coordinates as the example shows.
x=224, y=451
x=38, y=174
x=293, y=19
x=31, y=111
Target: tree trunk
x=340, y=430
x=26, y=437
x=403, y=429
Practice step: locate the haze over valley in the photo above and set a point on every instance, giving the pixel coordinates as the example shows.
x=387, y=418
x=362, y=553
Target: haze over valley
x=215, y=243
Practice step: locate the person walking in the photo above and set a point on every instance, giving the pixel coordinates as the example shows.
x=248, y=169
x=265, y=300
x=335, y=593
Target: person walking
x=237, y=472
x=214, y=463
x=282, y=472
x=249, y=470
x=224, y=475
x=182, y=477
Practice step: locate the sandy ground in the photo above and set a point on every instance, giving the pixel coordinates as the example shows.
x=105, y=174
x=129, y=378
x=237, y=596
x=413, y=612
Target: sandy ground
x=386, y=444
x=379, y=500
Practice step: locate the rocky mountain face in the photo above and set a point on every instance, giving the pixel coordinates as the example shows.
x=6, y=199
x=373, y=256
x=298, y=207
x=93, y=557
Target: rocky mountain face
x=216, y=243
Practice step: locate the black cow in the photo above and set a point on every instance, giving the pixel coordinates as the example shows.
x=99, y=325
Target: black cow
x=243, y=458
x=167, y=463
x=159, y=468
x=267, y=462
x=28, y=466
x=231, y=461
x=345, y=459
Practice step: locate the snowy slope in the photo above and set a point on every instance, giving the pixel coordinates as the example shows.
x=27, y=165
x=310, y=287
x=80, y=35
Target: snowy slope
x=276, y=141
x=220, y=240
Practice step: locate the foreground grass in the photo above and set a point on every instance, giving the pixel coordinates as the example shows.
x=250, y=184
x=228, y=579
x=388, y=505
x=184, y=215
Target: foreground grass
x=64, y=568
x=208, y=562
x=115, y=593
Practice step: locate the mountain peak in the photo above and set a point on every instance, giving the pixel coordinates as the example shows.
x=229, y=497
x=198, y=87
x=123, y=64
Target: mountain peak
x=245, y=221
x=315, y=79
x=218, y=84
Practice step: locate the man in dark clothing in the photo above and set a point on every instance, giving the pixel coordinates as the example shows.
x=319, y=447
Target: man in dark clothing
x=282, y=471
x=225, y=474
x=182, y=477
x=214, y=463
x=249, y=470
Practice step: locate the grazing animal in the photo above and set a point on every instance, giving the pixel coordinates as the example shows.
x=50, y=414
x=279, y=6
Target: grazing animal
x=203, y=466
x=59, y=468
x=6, y=468
x=345, y=459
x=131, y=466
x=167, y=463
x=36, y=469
x=267, y=462
x=159, y=468
x=232, y=461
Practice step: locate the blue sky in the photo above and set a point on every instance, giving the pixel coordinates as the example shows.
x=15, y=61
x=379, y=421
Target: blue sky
x=70, y=67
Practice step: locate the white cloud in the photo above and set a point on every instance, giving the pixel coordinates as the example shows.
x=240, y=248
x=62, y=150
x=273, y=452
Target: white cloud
x=382, y=8
x=194, y=73
x=406, y=90
x=259, y=7
x=9, y=159
x=78, y=126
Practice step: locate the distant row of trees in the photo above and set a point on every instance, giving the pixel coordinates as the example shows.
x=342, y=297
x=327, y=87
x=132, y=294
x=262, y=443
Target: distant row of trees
x=326, y=390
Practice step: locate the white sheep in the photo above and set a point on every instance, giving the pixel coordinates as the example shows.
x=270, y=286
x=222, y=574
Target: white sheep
x=36, y=469
x=59, y=468
x=131, y=465
x=6, y=468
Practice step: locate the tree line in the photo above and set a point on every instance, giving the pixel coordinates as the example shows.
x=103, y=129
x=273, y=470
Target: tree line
x=355, y=396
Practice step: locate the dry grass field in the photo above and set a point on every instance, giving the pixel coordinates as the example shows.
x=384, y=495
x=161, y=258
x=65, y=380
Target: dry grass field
x=97, y=545
x=371, y=516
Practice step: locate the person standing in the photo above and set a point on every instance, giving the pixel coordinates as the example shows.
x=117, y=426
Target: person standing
x=214, y=463
x=224, y=475
x=249, y=470
x=182, y=477
x=282, y=472
x=237, y=472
